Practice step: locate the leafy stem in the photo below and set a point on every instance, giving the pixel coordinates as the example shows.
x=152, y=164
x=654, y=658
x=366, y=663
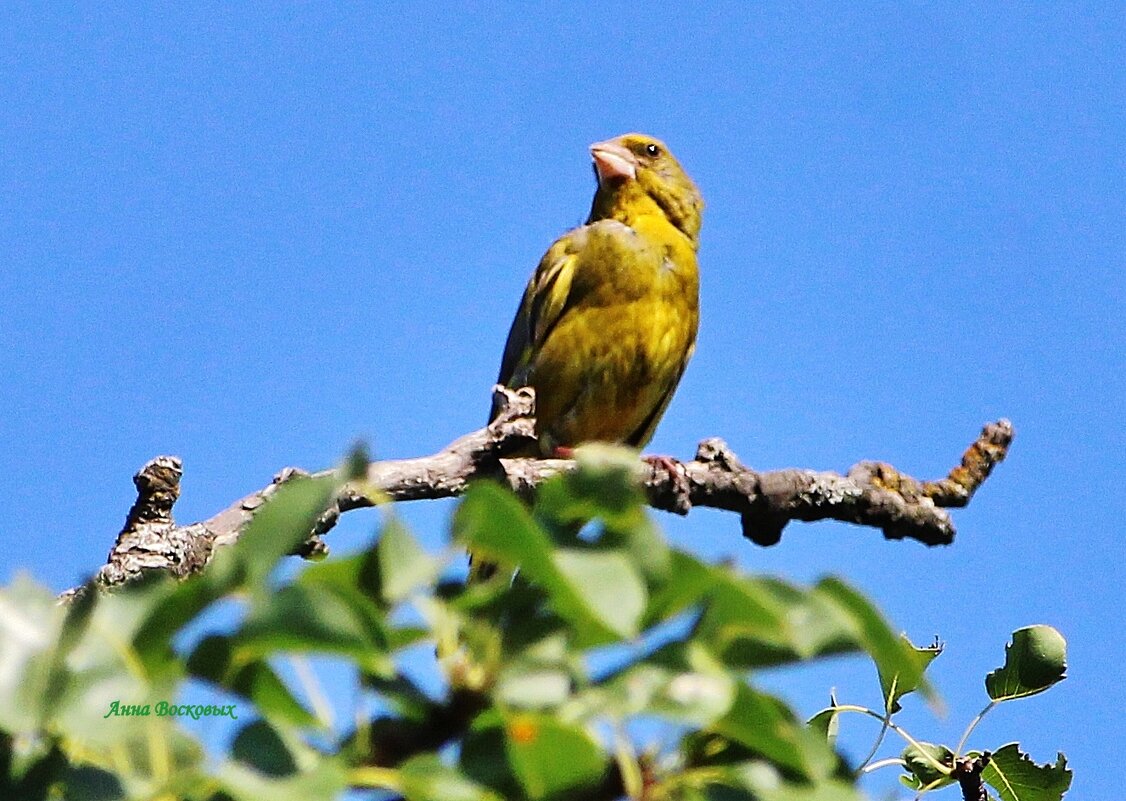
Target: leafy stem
x=972, y=726
x=944, y=769
x=884, y=763
x=888, y=704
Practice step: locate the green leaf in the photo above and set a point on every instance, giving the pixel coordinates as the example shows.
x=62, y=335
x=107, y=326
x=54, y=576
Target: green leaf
x=897, y=685
x=406, y=698
x=258, y=745
x=533, y=688
x=493, y=523
x=30, y=620
x=213, y=660
x=688, y=583
x=28, y=770
x=540, y=674
x=64, y=676
x=768, y=727
x=1034, y=661
x=897, y=660
x=1016, y=777
x=258, y=682
x=406, y=636
x=326, y=619
x=748, y=621
x=484, y=758
x=403, y=565
x=146, y=755
x=766, y=783
x=84, y=783
x=355, y=466
x=325, y=781
x=679, y=682
x=920, y=763
x=597, y=590
x=171, y=606
x=355, y=578
x=647, y=549
x=79, y=612
x=607, y=584
x=149, y=755
x=606, y=485
x=532, y=755
x=551, y=758
x=827, y=722
x=282, y=523
x=427, y=778
x=754, y=622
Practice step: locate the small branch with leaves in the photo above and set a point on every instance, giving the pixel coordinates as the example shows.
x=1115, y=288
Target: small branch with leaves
x=524, y=708
x=873, y=494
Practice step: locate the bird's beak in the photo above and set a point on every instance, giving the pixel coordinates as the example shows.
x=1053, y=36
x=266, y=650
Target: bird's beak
x=612, y=161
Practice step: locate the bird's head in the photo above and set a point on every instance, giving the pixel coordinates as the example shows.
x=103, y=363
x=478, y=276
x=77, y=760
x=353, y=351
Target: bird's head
x=637, y=173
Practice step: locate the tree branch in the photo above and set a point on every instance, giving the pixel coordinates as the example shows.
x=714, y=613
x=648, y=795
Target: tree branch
x=872, y=494
x=967, y=771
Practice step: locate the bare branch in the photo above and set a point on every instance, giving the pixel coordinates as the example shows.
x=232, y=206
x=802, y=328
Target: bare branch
x=872, y=494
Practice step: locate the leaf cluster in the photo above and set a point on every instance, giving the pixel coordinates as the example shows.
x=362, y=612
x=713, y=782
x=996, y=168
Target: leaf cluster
x=593, y=628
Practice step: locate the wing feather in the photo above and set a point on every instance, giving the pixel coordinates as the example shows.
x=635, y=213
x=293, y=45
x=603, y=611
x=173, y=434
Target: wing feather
x=545, y=299
x=644, y=432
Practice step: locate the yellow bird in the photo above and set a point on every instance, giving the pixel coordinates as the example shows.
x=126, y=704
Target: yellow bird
x=608, y=320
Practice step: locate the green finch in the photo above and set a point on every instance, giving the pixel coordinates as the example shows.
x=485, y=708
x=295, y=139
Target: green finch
x=608, y=320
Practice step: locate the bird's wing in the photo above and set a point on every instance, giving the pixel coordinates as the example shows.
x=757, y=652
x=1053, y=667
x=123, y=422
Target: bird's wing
x=547, y=296
x=641, y=436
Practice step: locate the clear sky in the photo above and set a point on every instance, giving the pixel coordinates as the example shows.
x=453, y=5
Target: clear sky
x=249, y=235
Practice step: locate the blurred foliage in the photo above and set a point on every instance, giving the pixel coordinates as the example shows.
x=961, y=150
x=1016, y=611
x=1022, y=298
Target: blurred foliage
x=88, y=691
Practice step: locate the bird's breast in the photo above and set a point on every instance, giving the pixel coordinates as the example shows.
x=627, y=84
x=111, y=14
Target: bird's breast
x=621, y=264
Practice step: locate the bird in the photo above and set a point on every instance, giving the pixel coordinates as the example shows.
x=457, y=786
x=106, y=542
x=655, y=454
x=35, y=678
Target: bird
x=608, y=321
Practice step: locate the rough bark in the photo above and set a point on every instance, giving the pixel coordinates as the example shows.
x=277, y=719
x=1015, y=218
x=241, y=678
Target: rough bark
x=871, y=494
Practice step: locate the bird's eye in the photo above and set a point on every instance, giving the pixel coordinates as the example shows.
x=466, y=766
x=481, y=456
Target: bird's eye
x=652, y=150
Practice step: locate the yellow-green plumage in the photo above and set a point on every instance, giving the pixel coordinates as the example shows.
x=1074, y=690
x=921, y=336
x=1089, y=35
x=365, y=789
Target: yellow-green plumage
x=609, y=318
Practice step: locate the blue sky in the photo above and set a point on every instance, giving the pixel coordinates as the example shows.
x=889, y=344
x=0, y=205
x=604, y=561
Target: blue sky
x=251, y=235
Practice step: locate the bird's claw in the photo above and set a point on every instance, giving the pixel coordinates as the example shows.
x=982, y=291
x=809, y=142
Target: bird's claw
x=679, y=489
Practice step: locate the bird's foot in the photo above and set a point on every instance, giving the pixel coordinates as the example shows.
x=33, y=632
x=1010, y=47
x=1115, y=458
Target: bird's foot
x=679, y=488
x=562, y=452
